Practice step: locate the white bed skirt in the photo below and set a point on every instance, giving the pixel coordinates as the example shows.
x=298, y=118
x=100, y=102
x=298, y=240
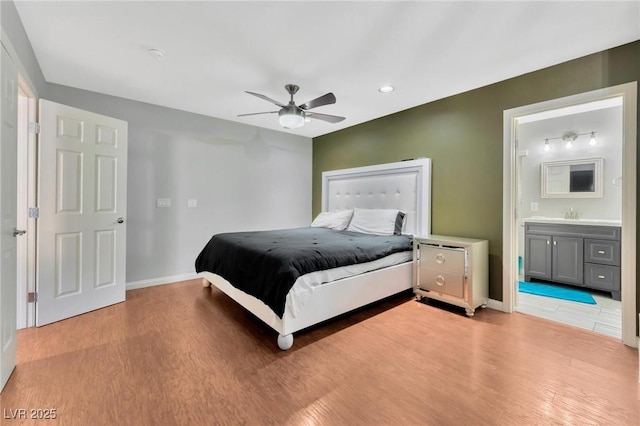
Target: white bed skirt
x=328, y=300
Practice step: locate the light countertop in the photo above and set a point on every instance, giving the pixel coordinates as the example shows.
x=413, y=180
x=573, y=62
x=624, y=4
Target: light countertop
x=597, y=222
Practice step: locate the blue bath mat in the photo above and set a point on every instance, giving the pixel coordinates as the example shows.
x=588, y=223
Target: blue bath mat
x=557, y=291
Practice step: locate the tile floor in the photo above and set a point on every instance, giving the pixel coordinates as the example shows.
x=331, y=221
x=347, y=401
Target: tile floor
x=605, y=317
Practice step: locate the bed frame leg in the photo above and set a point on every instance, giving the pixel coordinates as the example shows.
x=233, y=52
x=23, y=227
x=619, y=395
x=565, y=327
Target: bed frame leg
x=285, y=342
x=205, y=283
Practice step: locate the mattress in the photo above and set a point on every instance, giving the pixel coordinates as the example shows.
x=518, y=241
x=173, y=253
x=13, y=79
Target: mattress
x=266, y=264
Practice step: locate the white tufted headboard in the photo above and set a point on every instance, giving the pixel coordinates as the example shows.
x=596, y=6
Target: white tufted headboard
x=405, y=185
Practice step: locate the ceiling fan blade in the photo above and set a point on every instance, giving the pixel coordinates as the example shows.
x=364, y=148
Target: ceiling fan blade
x=266, y=98
x=258, y=113
x=325, y=117
x=327, y=99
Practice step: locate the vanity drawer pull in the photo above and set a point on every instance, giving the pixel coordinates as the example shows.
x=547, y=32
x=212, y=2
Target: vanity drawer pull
x=601, y=252
x=602, y=277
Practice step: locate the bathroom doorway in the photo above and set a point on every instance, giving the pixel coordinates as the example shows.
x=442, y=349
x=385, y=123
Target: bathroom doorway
x=569, y=180
x=543, y=142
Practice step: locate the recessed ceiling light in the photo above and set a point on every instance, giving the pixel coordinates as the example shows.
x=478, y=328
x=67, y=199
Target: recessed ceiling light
x=386, y=89
x=157, y=53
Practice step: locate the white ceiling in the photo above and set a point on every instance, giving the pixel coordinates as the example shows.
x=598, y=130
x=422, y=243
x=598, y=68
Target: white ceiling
x=217, y=50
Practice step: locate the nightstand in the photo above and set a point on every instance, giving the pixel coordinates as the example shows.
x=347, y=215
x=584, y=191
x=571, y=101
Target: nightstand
x=454, y=270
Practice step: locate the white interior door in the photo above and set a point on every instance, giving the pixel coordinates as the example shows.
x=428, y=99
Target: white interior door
x=82, y=199
x=8, y=216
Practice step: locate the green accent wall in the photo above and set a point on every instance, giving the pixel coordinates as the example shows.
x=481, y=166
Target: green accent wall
x=463, y=134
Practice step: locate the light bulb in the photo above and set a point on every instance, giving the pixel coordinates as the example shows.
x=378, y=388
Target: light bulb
x=547, y=147
x=569, y=144
x=593, y=139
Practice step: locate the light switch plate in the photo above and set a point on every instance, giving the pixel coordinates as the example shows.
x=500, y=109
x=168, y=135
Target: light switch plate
x=163, y=202
x=192, y=203
x=534, y=206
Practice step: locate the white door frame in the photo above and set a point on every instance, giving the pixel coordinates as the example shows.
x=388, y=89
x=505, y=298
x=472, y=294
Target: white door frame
x=27, y=174
x=27, y=85
x=628, y=92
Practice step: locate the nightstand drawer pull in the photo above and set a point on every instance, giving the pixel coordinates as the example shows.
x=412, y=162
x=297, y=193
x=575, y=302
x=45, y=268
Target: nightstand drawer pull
x=602, y=277
x=440, y=280
x=440, y=258
x=601, y=252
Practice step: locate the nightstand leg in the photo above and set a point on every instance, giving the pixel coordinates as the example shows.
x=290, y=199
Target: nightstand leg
x=470, y=312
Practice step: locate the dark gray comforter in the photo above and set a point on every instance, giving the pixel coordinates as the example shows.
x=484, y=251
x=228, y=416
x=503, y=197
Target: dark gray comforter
x=266, y=264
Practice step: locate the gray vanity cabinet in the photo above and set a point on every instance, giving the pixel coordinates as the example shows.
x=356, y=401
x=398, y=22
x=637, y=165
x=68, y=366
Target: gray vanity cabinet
x=554, y=258
x=568, y=259
x=538, y=257
x=582, y=255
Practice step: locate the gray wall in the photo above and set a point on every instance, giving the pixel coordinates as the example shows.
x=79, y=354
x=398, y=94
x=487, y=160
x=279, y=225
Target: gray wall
x=243, y=177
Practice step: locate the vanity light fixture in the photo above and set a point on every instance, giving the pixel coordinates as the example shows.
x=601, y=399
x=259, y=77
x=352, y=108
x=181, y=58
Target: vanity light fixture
x=569, y=138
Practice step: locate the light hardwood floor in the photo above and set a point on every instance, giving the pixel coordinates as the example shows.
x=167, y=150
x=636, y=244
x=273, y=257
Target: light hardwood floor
x=181, y=354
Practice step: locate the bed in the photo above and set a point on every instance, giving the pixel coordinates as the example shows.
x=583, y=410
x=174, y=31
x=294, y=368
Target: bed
x=321, y=295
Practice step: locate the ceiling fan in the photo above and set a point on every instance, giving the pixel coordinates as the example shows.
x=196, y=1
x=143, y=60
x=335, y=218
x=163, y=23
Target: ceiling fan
x=291, y=115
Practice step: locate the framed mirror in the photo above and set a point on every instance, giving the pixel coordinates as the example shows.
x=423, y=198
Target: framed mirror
x=572, y=179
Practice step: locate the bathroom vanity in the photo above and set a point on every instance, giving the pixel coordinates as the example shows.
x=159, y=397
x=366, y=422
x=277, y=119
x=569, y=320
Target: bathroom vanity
x=580, y=253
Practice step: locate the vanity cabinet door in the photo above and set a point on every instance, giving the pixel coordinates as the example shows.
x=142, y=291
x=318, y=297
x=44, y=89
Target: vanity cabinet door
x=538, y=257
x=568, y=260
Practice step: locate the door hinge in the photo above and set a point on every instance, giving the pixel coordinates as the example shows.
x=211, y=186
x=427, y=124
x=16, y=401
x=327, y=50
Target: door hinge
x=34, y=127
x=34, y=212
x=32, y=296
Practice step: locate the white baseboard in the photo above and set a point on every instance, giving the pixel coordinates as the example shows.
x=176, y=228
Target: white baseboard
x=495, y=304
x=161, y=280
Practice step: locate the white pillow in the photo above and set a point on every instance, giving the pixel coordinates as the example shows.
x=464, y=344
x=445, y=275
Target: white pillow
x=338, y=220
x=377, y=221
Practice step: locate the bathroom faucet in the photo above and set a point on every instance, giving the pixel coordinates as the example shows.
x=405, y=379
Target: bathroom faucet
x=571, y=214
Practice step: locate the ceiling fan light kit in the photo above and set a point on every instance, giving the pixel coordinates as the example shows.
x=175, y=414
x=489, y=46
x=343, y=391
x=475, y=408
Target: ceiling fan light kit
x=292, y=116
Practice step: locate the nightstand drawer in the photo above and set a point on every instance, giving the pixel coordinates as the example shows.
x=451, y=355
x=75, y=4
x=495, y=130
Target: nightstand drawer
x=442, y=259
x=601, y=251
x=602, y=277
x=441, y=282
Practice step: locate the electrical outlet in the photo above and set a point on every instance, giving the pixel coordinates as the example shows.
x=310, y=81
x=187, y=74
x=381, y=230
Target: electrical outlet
x=192, y=203
x=534, y=206
x=163, y=202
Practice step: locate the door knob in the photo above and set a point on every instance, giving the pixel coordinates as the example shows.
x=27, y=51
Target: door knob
x=120, y=220
x=17, y=232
